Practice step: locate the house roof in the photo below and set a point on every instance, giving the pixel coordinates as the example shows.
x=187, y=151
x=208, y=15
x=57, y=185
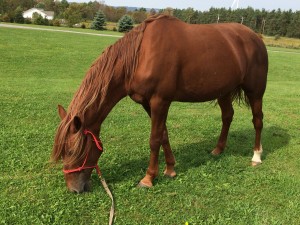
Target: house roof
x=49, y=13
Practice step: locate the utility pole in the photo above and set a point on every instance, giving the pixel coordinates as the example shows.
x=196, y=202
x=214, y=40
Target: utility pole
x=263, y=25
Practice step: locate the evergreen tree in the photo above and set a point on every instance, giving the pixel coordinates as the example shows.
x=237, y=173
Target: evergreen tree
x=125, y=24
x=294, y=27
x=285, y=21
x=99, y=21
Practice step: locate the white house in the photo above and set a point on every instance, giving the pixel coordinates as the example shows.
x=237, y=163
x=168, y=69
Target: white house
x=45, y=14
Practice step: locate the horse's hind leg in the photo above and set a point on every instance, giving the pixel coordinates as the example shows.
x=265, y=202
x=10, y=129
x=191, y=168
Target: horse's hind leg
x=169, y=157
x=225, y=104
x=256, y=106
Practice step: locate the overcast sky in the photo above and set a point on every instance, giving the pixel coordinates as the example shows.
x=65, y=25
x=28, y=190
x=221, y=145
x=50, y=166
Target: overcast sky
x=205, y=4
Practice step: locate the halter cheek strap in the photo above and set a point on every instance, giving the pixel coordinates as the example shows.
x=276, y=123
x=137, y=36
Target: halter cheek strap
x=98, y=143
x=83, y=167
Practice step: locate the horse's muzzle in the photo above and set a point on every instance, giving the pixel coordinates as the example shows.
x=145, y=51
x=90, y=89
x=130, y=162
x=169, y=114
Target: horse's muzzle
x=80, y=188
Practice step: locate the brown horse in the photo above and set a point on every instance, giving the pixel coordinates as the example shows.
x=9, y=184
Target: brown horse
x=160, y=61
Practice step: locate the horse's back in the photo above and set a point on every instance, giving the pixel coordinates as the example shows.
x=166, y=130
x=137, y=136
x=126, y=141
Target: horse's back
x=198, y=62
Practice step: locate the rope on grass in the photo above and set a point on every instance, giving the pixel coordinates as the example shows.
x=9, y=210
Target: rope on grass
x=106, y=188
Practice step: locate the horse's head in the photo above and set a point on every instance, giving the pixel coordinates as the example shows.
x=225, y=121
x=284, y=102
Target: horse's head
x=79, y=150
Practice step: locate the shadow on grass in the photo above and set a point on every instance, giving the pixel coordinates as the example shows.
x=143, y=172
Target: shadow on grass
x=240, y=143
x=190, y=155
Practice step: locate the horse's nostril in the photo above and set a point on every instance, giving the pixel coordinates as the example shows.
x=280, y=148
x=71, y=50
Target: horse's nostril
x=87, y=186
x=83, y=188
x=76, y=191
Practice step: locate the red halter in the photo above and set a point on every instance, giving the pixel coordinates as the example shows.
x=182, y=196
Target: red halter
x=83, y=167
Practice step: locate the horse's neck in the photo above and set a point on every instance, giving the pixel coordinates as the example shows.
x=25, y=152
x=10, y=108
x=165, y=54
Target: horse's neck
x=96, y=114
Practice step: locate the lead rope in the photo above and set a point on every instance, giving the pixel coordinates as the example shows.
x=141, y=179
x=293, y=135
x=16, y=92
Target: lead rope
x=104, y=184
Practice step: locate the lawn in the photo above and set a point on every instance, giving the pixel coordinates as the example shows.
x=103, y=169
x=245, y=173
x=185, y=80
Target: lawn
x=40, y=69
x=72, y=29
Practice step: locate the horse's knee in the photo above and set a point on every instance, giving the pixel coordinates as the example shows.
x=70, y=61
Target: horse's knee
x=165, y=138
x=227, y=116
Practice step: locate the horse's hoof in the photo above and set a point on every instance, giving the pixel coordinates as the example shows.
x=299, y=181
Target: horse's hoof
x=144, y=184
x=255, y=163
x=170, y=174
x=216, y=151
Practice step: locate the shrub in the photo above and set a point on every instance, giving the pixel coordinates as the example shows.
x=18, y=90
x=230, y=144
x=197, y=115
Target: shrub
x=125, y=24
x=46, y=22
x=27, y=21
x=39, y=20
x=277, y=37
x=56, y=22
x=6, y=18
x=19, y=15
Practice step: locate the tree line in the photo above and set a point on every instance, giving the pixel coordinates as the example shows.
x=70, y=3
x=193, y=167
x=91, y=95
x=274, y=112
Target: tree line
x=71, y=12
x=272, y=23
x=275, y=22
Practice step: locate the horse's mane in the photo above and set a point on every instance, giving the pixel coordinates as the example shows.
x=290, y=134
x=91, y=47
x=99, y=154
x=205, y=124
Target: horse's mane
x=95, y=85
x=98, y=77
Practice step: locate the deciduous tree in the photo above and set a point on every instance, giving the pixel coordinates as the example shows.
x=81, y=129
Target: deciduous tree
x=73, y=14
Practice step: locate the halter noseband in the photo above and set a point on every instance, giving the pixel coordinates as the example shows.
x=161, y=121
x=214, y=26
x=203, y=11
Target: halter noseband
x=83, y=167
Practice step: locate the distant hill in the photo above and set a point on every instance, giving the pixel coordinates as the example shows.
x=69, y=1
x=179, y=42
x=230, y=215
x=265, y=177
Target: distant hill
x=130, y=8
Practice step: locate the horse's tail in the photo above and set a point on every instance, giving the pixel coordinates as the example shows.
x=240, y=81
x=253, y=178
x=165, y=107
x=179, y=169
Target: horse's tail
x=239, y=96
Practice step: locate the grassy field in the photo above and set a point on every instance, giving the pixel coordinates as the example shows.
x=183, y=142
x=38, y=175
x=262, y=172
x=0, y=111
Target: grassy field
x=40, y=69
x=283, y=42
x=80, y=30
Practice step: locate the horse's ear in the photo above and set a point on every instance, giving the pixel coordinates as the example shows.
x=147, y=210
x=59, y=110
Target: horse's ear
x=61, y=112
x=76, y=124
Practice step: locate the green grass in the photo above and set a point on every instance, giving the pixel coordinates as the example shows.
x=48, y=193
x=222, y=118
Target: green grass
x=40, y=69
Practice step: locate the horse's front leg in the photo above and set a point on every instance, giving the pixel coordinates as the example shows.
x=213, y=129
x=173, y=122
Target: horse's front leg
x=159, y=112
x=169, y=157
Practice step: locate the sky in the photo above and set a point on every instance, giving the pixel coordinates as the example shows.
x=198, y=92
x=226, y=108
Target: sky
x=203, y=5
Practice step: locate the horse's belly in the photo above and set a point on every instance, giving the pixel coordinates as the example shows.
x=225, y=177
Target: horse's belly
x=201, y=88
x=189, y=96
